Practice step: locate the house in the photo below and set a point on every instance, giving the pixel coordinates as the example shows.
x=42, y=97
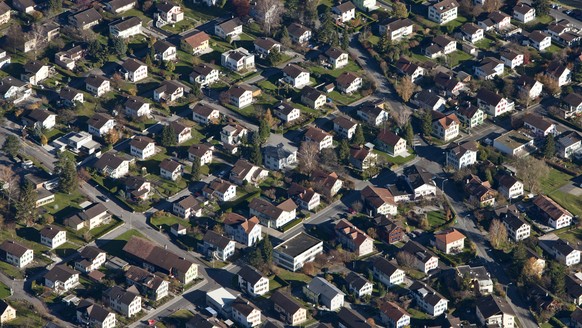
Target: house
x=449, y=85
x=514, y=143
x=40, y=119
x=461, y=155
x=91, y=258
x=509, y=186
x=496, y=20
x=85, y=19
x=562, y=251
x=90, y=217
x=479, y=278
x=572, y=103
x=511, y=59
x=424, y=259
x=286, y=112
x=271, y=215
x=182, y=132
x=296, y=76
x=216, y=246
x=353, y=239
x=429, y=100
x=290, y=310
x=362, y=158
x=391, y=143
x=196, y=43
x=168, y=13
x=443, y=12
x=378, y=201
x=530, y=85
x=52, y=236
x=489, y=68
x=14, y=253
x=472, y=32
x=97, y=85
x=389, y=231
x=428, y=299
x=440, y=45
x=14, y=90
x=568, y=143
x=393, y=315
x=540, y=40
x=264, y=46
x=126, y=27
x=344, y=127
x=232, y=134
x=5, y=12
x=170, y=169
x=312, y=97
x=563, y=33
x=204, y=74
x=344, y=12
x=164, y=51
x=420, y=181
x=480, y=192
x=576, y=318
x=349, y=318
x=494, y=310
x=387, y=273
x=293, y=253
x=221, y=189
x=142, y=147
x=243, y=171
x=492, y=103
x=450, y=241
x=517, y=228
x=410, y=69
x=157, y=258
x=94, y=315
x=306, y=198
x=324, y=293
x=137, y=188
x=299, y=33
x=470, y=115
x=137, y=107
x=557, y=217
x=327, y=184
x=252, y=281
x=245, y=313
x=278, y=158
x=204, y=114
x=445, y=127
x=186, y=207
x=372, y=114
x=336, y=57
x=71, y=97
x=127, y=302
x=112, y=165
x=524, y=13
x=559, y=73
x=68, y=58
x=220, y=300
x=61, y=278
x=134, y=70
x=539, y=126
x=238, y=60
x=240, y=95
x=396, y=28
x=120, y=6
x=35, y=71
x=358, y=285
x=574, y=289
x=201, y=153
x=7, y=312
x=348, y=82
x=148, y=284
x=229, y=29
x=169, y=91
x=318, y=136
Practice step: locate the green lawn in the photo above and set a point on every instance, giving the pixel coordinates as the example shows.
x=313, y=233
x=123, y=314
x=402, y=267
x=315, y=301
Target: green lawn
x=11, y=271
x=66, y=249
x=398, y=160
x=65, y=200
x=457, y=57
x=293, y=276
x=374, y=39
x=485, y=44
x=350, y=67
x=436, y=219
x=167, y=220
x=115, y=247
x=266, y=85
x=554, y=180
x=344, y=99
x=570, y=202
x=26, y=316
x=181, y=26
x=573, y=236
x=4, y=291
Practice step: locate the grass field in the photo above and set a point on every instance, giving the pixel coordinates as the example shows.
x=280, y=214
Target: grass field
x=167, y=220
x=436, y=219
x=115, y=247
x=550, y=185
x=4, y=291
x=554, y=180
x=293, y=276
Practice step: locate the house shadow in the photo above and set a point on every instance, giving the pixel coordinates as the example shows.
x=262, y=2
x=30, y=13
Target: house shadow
x=28, y=233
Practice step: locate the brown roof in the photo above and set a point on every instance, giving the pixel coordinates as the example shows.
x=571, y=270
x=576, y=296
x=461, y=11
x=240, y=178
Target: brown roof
x=87, y=16
x=296, y=29
x=265, y=43
x=230, y=25
x=550, y=207
x=446, y=120
x=538, y=36
x=449, y=236
x=60, y=273
x=199, y=150
x=140, y=142
x=203, y=109
x=196, y=39
x=393, y=311
x=344, y=122
x=388, y=137
x=109, y=160
x=315, y=134
x=345, y=7
x=294, y=70
x=537, y=121
x=350, y=231
x=216, y=239
x=127, y=23
x=445, y=5
x=346, y=79
x=311, y=93
x=169, y=165
x=188, y=202
x=286, y=302
x=522, y=8
x=95, y=80
x=377, y=196
x=132, y=65
x=99, y=120
x=50, y=231
x=13, y=248
x=156, y=255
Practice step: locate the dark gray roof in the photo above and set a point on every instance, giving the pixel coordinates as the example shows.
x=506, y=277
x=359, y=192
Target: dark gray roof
x=297, y=244
x=50, y=231
x=60, y=273
x=250, y=274
x=385, y=266
x=352, y=319
x=215, y=239
x=87, y=16
x=126, y=23
x=493, y=305
x=14, y=248
x=286, y=301
x=355, y=280
x=320, y=286
x=418, y=176
x=99, y=120
x=94, y=311
x=427, y=293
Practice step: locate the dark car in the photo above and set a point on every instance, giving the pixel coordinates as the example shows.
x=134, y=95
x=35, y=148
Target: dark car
x=103, y=198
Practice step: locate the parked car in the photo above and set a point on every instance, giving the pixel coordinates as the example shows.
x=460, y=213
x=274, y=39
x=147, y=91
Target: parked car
x=103, y=198
x=520, y=208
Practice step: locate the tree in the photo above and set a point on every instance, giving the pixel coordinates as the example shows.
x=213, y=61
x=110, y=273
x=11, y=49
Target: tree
x=170, y=66
x=111, y=137
x=264, y=129
x=308, y=156
x=241, y=7
x=492, y=5
x=167, y=137
x=9, y=182
x=327, y=29
x=43, y=140
x=285, y=38
x=118, y=45
x=523, y=96
x=400, y=10
x=345, y=41
x=195, y=173
x=26, y=210
x=11, y=145
x=542, y=7
x=405, y=88
x=359, y=136
x=530, y=171
x=267, y=250
x=255, y=154
x=405, y=259
x=549, y=148
x=343, y=150
x=271, y=12
x=497, y=234
x=551, y=85
x=408, y=134
x=275, y=57
x=557, y=278
x=426, y=123
x=55, y=6
x=66, y=168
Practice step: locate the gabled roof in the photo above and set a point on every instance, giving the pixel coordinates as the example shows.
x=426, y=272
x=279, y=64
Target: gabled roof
x=334, y=53
x=345, y=7
x=573, y=99
x=489, y=97
x=493, y=305
x=126, y=23
x=188, y=202
x=315, y=134
x=69, y=93
x=311, y=93
x=156, y=255
x=162, y=45
x=132, y=65
x=94, y=311
x=243, y=306
x=294, y=70
x=297, y=30
x=538, y=36
x=141, y=142
x=321, y=286
x=352, y=319
x=99, y=120
x=203, y=109
x=427, y=293
x=377, y=196
x=230, y=25
x=550, y=207
x=449, y=236
x=215, y=239
x=199, y=150
x=122, y=296
x=250, y=274
x=346, y=79
x=522, y=8
x=169, y=165
x=356, y=280
x=266, y=43
x=50, y=231
x=95, y=80
x=445, y=5
x=40, y=115
x=196, y=39
x=135, y=102
x=110, y=160
x=60, y=273
x=470, y=28
x=286, y=302
x=393, y=311
x=418, y=176
x=460, y=149
x=344, y=122
x=165, y=6
x=14, y=248
x=422, y=253
x=87, y=16
x=351, y=232
x=386, y=267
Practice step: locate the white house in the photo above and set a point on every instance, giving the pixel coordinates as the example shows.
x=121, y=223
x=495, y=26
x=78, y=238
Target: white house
x=559, y=73
x=424, y=259
x=169, y=91
x=299, y=33
x=509, y=186
x=170, y=169
x=489, y=68
x=396, y=28
x=318, y=136
x=204, y=74
x=216, y=246
x=378, y=201
x=52, y=236
x=305, y=249
x=443, y=12
x=238, y=60
x=344, y=127
x=568, y=144
x=461, y=155
x=125, y=28
x=142, y=147
x=344, y=12
x=229, y=29
x=393, y=315
x=245, y=313
x=493, y=103
x=391, y=143
x=112, y=165
x=100, y=124
x=252, y=281
x=472, y=33
x=335, y=57
x=540, y=40
x=354, y=239
x=240, y=95
x=286, y=112
x=348, y=82
x=324, y=293
x=428, y=299
x=137, y=107
x=97, y=85
x=538, y=125
x=449, y=241
x=203, y=114
x=494, y=311
x=61, y=278
x=271, y=215
x=445, y=127
x=524, y=13
x=202, y=153
x=557, y=217
x=387, y=273
x=243, y=230
x=511, y=58
x=16, y=254
x=34, y=72
x=40, y=119
x=358, y=284
x=168, y=13
x=296, y=76
x=517, y=229
x=134, y=70
x=528, y=84
x=279, y=158
x=223, y=190
x=164, y=50
x=127, y=302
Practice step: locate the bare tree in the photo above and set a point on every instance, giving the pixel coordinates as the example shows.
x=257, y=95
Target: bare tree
x=401, y=115
x=308, y=156
x=8, y=179
x=549, y=84
x=271, y=12
x=531, y=170
x=492, y=5
x=405, y=88
x=523, y=96
x=36, y=36
x=405, y=259
x=357, y=206
x=497, y=234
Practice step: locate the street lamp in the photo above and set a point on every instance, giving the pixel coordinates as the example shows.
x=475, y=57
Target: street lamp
x=443, y=185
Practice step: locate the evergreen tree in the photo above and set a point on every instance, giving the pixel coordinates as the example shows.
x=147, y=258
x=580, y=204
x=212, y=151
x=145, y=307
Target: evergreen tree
x=274, y=57
x=408, y=133
x=255, y=156
x=167, y=138
x=267, y=249
x=118, y=45
x=196, y=90
x=67, y=170
x=427, y=123
x=11, y=145
x=285, y=38
x=327, y=30
x=26, y=210
x=488, y=176
x=343, y=150
x=264, y=129
x=335, y=38
x=195, y=170
x=557, y=278
x=345, y=40
x=55, y=5
x=359, y=138
x=549, y=148
x=542, y=7
x=170, y=66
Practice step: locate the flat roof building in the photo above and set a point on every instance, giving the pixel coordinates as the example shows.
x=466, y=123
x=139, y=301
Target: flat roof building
x=296, y=251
